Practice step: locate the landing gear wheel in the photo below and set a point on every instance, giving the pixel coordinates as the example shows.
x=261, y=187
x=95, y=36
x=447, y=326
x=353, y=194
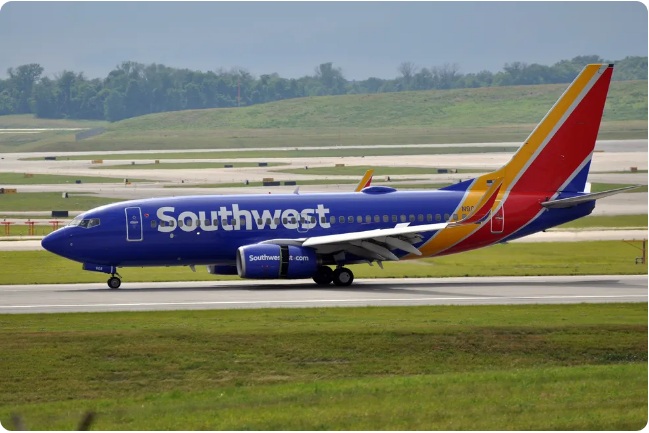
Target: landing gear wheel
x=114, y=282
x=323, y=276
x=343, y=277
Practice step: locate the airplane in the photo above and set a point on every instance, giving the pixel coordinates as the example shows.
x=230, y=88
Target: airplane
x=317, y=235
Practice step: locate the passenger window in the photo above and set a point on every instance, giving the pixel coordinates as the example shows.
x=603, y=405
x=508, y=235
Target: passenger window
x=446, y=217
x=341, y=220
x=208, y=222
x=259, y=221
x=215, y=222
x=438, y=217
x=350, y=219
x=180, y=223
x=154, y=224
x=411, y=217
x=385, y=218
x=429, y=218
x=276, y=221
x=394, y=218
x=454, y=217
x=332, y=219
x=359, y=219
x=377, y=219
x=403, y=218
x=463, y=215
x=420, y=218
x=368, y=219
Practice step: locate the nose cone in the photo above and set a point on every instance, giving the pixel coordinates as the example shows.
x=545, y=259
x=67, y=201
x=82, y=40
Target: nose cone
x=55, y=242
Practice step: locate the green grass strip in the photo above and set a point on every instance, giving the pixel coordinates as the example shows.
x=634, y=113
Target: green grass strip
x=532, y=367
x=42, y=179
x=183, y=165
x=41, y=201
x=352, y=170
x=261, y=155
x=599, y=187
x=607, y=221
x=567, y=258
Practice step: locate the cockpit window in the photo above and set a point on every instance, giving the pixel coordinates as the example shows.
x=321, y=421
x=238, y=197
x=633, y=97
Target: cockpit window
x=86, y=223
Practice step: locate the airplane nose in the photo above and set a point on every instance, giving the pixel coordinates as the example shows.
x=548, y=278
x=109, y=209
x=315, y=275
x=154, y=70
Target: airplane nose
x=55, y=242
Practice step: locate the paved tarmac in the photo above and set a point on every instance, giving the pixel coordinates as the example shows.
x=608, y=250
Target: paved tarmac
x=51, y=298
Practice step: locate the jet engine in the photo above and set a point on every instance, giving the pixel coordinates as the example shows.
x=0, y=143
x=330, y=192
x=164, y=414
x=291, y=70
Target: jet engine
x=266, y=261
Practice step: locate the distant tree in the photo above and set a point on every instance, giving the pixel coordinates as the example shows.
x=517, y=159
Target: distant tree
x=330, y=78
x=7, y=105
x=114, y=106
x=21, y=82
x=446, y=76
x=631, y=68
x=45, y=102
x=407, y=71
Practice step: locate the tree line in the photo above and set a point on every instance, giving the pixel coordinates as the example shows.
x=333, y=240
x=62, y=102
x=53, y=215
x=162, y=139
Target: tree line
x=133, y=89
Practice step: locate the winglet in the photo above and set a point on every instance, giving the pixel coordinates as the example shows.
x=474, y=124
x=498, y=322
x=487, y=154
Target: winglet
x=482, y=210
x=365, y=181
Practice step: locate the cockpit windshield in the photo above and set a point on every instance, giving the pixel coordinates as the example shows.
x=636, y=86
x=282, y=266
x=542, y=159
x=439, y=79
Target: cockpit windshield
x=86, y=223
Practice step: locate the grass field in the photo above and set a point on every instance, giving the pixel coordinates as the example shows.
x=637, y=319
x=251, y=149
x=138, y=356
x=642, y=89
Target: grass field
x=354, y=170
x=261, y=155
x=38, y=201
x=41, y=179
x=615, y=221
x=599, y=187
x=535, y=367
x=567, y=258
x=183, y=165
x=27, y=121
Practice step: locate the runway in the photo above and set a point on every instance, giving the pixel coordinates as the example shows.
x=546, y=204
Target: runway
x=52, y=298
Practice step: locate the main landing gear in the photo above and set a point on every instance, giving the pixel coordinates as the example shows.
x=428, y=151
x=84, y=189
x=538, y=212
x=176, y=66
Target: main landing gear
x=114, y=282
x=340, y=277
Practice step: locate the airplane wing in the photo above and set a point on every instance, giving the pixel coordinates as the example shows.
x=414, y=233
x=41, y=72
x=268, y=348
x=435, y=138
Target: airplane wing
x=365, y=181
x=376, y=244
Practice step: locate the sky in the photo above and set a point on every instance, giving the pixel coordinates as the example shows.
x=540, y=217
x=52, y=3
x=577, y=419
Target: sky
x=364, y=39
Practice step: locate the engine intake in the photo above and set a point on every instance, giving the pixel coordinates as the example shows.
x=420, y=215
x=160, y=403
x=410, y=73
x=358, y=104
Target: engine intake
x=267, y=261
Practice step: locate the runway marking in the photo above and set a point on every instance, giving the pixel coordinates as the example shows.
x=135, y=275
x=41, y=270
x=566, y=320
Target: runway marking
x=322, y=301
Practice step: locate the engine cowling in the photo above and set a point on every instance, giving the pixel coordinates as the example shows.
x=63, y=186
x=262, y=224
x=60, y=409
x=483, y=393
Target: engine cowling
x=267, y=261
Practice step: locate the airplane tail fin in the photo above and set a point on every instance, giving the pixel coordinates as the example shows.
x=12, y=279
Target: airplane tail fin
x=366, y=180
x=556, y=157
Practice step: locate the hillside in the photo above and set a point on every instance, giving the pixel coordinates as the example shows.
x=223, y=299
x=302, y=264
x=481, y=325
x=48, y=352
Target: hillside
x=456, y=108
x=493, y=114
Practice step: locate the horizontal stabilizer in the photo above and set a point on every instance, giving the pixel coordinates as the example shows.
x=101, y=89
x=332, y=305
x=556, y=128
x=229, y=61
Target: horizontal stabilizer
x=574, y=201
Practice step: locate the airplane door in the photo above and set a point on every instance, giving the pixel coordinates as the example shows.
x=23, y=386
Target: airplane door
x=498, y=220
x=133, y=224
